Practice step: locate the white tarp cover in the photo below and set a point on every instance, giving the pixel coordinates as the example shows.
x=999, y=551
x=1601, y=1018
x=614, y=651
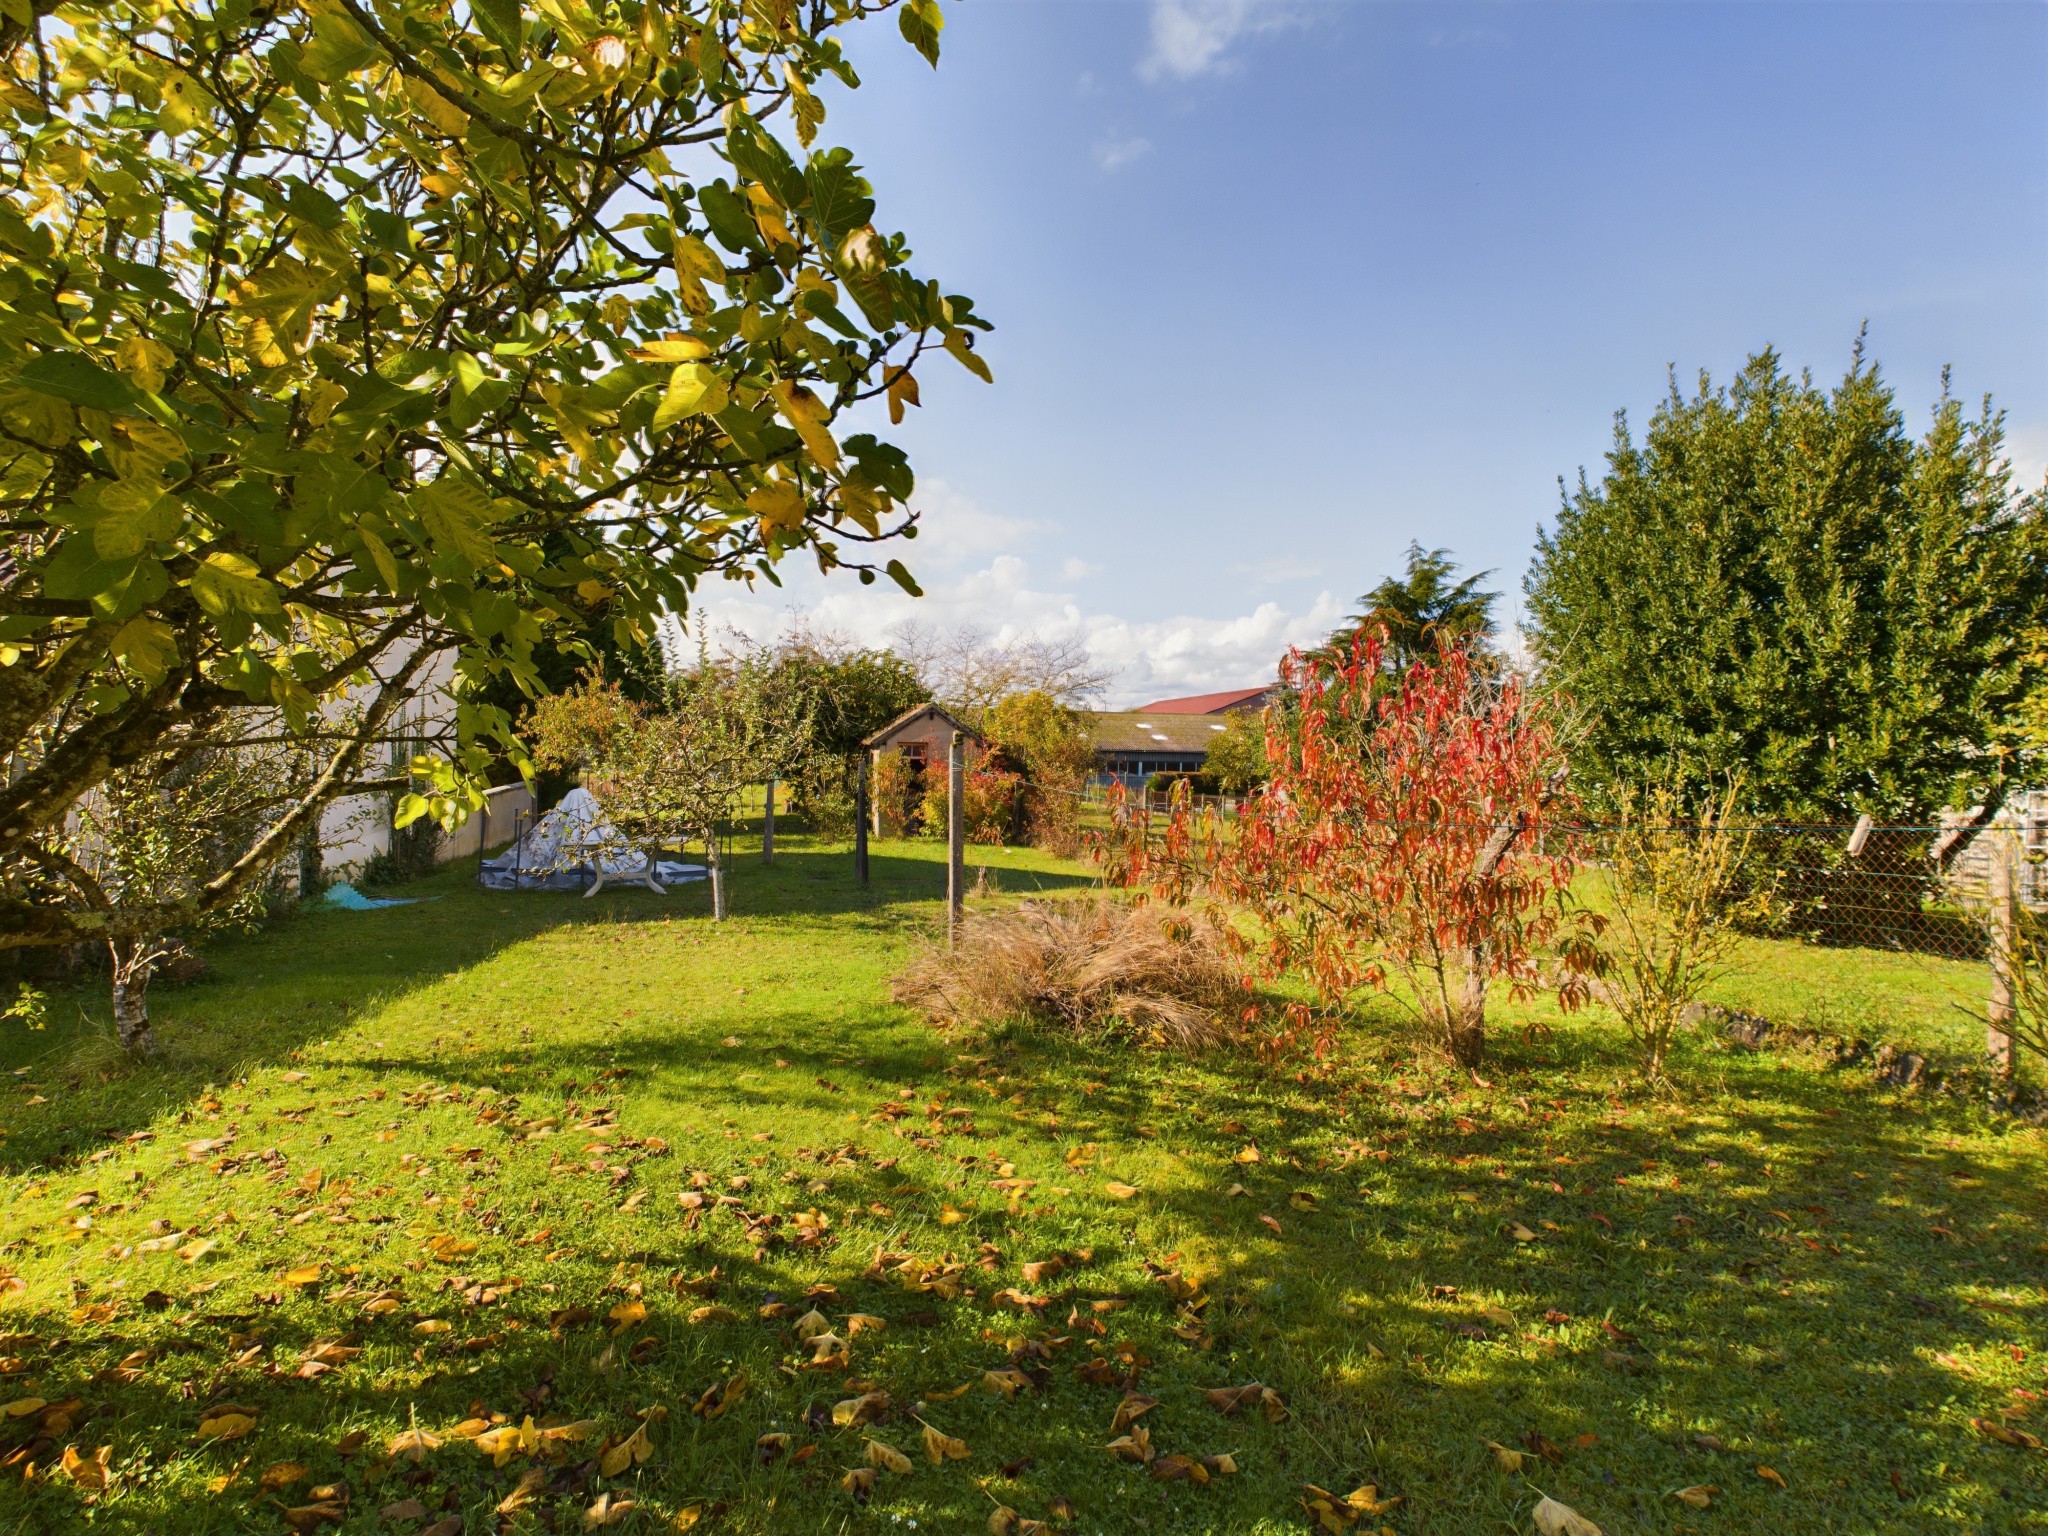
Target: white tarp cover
x=566, y=848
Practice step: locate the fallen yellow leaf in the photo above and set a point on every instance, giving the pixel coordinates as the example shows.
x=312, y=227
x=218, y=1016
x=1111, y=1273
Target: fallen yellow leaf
x=226, y=1423
x=887, y=1457
x=1555, y=1519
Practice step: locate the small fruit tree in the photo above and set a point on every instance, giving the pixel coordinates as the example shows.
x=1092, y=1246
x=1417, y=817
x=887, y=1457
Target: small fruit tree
x=672, y=770
x=1395, y=846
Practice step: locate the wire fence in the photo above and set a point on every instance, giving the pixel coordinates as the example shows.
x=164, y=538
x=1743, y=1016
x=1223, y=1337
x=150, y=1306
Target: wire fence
x=1896, y=940
x=1918, y=934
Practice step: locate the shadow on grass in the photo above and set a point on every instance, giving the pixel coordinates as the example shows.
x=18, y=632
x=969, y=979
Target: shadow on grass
x=1775, y=1258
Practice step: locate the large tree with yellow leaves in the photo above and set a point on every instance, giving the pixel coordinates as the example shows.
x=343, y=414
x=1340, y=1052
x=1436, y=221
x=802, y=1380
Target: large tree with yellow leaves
x=342, y=340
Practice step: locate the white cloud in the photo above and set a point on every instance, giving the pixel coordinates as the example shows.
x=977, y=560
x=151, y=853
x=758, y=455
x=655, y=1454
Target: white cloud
x=1073, y=568
x=972, y=572
x=1193, y=37
x=1113, y=152
x=2027, y=446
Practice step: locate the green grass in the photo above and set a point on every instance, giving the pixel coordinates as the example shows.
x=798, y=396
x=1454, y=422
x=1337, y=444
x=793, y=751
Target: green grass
x=1829, y=1278
x=1917, y=1001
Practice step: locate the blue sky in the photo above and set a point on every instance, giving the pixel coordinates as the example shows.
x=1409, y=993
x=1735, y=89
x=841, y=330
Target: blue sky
x=1280, y=285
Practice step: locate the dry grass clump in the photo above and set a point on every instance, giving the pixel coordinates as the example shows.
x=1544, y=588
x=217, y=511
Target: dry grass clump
x=1087, y=967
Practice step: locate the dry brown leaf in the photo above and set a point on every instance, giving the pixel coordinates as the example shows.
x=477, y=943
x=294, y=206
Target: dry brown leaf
x=226, y=1422
x=1770, y=1476
x=943, y=1447
x=625, y=1455
x=1135, y=1405
x=415, y=1443
x=1135, y=1446
x=859, y=1410
x=524, y=1492
x=307, y=1518
x=2005, y=1434
x=716, y=1400
x=282, y=1475
x=1506, y=1459
x=1555, y=1519
x=1699, y=1495
x=1008, y=1381
x=506, y=1441
x=90, y=1471
x=887, y=1457
x=715, y=1313
x=860, y=1482
x=609, y=1509
x=1520, y=1233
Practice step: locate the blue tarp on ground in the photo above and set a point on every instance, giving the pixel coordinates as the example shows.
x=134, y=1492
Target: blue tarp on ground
x=349, y=899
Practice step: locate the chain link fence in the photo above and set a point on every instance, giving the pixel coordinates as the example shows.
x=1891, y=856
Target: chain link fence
x=1915, y=942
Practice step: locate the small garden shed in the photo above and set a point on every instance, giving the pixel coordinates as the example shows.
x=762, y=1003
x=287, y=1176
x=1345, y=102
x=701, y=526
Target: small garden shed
x=922, y=735
x=915, y=743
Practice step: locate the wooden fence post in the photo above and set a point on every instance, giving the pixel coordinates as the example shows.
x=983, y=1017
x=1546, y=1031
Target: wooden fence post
x=768, y=824
x=1998, y=1017
x=956, y=861
x=860, y=821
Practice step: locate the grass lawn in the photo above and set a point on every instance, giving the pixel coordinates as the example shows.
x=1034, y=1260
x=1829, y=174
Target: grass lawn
x=435, y=1171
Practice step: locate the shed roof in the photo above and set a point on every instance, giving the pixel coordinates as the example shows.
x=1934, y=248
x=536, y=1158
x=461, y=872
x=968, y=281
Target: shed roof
x=1140, y=730
x=910, y=717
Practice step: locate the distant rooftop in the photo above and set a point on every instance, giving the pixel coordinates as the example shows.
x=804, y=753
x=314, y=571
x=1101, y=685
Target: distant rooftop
x=1210, y=703
x=1144, y=730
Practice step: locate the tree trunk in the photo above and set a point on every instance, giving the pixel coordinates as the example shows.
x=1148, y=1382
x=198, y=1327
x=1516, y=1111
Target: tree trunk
x=1468, y=1024
x=716, y=865
x=134, y=962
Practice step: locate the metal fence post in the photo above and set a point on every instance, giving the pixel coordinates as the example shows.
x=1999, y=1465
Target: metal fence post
x=768, y=824
x=1998, y=1017
x=860, y=821
x=956, y=862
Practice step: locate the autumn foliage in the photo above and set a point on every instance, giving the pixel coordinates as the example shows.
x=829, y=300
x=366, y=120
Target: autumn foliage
x=1399, y=846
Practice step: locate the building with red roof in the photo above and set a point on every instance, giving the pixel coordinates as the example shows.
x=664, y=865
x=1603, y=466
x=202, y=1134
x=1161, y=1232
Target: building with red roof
x=1228, y=702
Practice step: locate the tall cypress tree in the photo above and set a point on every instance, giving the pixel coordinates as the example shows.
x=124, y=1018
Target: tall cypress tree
x=1780, y=582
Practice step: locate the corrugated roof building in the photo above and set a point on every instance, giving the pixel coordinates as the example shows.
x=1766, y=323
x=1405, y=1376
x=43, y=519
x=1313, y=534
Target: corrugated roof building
x=1134, y=744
